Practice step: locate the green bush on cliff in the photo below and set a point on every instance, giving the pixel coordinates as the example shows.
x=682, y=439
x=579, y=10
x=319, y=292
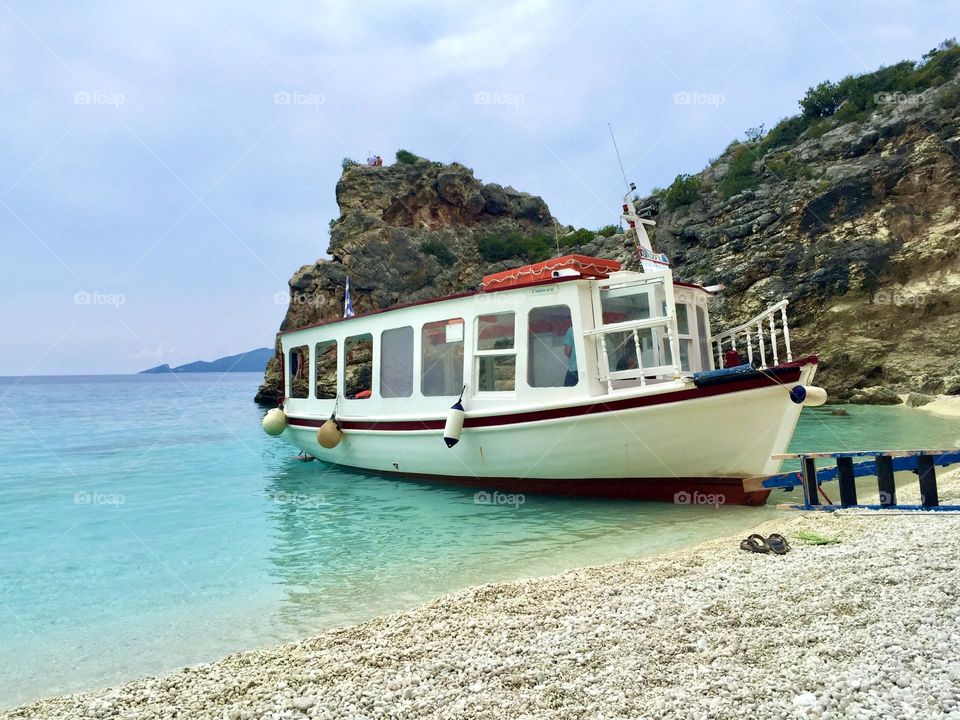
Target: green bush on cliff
x=821, y=100
x=497, y=248
x=684, y=190
x=785, y=131
x=439, y=250
x=740, y=174
x=609, y=230
x=576, y=239
x=406, y=157
x=348, y=163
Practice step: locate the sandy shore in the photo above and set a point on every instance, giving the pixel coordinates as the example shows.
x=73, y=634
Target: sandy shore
x=943, y=405
x=868, y=628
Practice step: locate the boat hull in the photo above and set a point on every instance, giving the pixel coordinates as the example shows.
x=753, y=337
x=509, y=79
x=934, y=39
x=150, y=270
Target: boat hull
x=690, y=446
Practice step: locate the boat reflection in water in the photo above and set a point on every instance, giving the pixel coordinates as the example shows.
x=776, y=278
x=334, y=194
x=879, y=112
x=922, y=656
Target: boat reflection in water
x=347, y=546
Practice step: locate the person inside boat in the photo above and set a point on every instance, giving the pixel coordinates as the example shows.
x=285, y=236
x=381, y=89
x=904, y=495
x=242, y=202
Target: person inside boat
x=628, y=358
x=573, y=376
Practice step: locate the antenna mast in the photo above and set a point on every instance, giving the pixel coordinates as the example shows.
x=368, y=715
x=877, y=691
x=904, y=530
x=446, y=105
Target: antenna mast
x=622, y=171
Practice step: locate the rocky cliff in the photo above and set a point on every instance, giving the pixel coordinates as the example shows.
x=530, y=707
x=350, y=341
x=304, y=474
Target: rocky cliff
x=858, y=224
x=852, y=214
x=407, y=232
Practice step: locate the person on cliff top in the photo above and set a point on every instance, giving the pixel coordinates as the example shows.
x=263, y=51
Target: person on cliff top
x=379, y=162
x=372, y=160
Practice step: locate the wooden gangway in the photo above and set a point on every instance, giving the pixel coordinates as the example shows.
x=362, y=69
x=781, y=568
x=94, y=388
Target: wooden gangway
x=881, y=463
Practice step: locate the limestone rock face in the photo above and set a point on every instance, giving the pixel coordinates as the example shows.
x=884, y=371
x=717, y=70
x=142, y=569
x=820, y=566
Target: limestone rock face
x=859, y=228
x=406, y=232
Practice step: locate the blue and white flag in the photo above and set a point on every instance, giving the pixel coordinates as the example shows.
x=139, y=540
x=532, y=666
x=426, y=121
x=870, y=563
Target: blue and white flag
x=347, y=303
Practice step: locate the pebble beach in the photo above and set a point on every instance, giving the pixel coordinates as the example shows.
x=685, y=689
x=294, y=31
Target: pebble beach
x=864, y=628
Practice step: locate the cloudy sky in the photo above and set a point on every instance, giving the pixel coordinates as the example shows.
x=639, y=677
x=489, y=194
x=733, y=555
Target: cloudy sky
x=165, y=168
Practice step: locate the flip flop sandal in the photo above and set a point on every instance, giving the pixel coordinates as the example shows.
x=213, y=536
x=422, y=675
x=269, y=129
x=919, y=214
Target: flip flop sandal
x=778, y=544
x=755, y=543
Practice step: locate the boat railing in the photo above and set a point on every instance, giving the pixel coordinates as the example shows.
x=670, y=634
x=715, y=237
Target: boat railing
x=634, y=328
x=763, y=330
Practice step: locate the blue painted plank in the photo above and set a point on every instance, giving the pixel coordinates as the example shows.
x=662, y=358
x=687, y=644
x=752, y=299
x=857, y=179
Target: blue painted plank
x=861, y=469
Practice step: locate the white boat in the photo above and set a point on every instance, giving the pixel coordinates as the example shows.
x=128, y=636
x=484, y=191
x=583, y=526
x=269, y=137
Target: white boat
x=568, y=377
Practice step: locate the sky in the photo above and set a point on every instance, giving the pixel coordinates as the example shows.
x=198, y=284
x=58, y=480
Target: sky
x=165, y=168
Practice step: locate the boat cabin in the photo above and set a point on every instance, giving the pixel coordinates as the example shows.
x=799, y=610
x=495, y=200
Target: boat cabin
x=571, y=328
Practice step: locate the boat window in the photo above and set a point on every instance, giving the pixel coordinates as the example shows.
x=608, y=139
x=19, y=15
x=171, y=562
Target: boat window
x=622, y=349
x=358, y=367
x=299, y=368
x=702, y=338
x=396, y=362
x=685, y=347
x=625, y=304
x=683, y=322
x=326, y=375
x=442, y=357
x=495, y=353
x=495, y=332
x=552, y=359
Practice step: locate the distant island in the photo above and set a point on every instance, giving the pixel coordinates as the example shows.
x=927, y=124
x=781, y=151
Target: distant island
x=252, y=361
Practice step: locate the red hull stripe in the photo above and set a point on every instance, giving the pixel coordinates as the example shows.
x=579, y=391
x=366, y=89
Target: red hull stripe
x=783, y=374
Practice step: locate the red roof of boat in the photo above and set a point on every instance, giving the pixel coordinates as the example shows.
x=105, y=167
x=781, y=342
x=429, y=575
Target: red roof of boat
x=538, y=272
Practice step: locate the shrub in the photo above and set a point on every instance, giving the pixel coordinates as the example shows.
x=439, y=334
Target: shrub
x=786, y=131
x=497, y=248
x=348, y=163
x=609, y=230
x=406, y=157
x=741, y=175
x=821, y=100
x=938, y=66
x=577, y=238
x=819, y=128
x=684, y=190
x=948, y=98
x=755, y=133
x=786, y=167
x=439, y=250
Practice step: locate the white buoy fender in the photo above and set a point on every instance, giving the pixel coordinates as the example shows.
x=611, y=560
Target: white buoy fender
x=329, y=434
x=454, y=425
x=808, y=395
x=275, y=422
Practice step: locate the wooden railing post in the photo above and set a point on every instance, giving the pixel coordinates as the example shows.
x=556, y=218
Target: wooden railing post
x=927, y=473
x=811, y=491
x=763, y=348
x=848, y=485
x=885, y=482
x=786, y=333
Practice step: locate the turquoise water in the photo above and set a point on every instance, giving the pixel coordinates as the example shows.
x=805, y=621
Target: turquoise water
x=146, y=522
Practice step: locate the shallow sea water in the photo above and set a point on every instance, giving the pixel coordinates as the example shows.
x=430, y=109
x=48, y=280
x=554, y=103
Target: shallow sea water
x=146, y=523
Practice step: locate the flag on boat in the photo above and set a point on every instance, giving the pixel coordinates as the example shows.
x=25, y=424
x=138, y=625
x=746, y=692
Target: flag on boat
x=347, y=303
